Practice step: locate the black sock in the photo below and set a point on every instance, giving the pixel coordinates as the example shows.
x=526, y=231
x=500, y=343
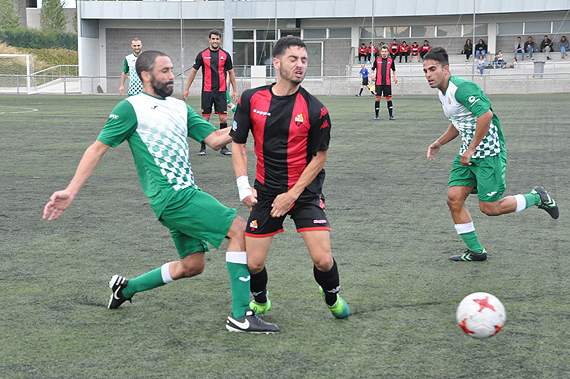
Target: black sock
x=329, y=281
x=390, y=107
x=203, y=146
x=377, y=107
x=360, y=93
x=223, y=125
x=258, y=286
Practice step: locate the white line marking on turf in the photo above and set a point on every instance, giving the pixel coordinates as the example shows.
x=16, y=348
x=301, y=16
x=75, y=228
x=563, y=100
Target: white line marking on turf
x=23, y=109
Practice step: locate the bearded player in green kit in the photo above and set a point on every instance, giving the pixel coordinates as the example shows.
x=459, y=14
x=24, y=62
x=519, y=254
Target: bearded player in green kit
x=480, y=165
x=156, y=127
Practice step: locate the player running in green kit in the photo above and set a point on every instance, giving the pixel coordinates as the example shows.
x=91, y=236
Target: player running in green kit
x=156, y=127
x=480, y=165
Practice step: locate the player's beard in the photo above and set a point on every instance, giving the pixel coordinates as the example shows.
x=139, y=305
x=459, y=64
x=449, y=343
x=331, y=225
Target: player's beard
x=161, y=88
x=290, y=76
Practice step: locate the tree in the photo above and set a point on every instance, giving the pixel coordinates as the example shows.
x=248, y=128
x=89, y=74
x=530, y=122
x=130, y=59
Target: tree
x=53, y=16
x=9, y=15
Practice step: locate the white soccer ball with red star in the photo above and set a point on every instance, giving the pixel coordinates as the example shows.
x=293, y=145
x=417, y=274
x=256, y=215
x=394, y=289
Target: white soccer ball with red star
x=481, y=315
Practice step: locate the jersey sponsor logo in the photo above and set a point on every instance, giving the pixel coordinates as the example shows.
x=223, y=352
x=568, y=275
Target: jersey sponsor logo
x=154, y=107
x=325, y=124
x=299, y=119
x=114, y=116
x=319, y=221
x=324, y=112
x=207, y=57
x=253, y=225
x=261, y=112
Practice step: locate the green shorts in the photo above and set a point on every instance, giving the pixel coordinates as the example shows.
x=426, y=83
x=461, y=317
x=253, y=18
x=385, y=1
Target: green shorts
x=485, y=175
x=194, y=218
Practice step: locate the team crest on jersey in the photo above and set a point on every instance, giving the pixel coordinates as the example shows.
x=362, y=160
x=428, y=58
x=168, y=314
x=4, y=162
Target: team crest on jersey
x=253, y=225
x=299, y=119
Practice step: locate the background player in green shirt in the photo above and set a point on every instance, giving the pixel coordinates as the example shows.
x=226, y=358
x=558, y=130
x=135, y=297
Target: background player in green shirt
x=156, y=127
x=480, y=165
x=129, y=67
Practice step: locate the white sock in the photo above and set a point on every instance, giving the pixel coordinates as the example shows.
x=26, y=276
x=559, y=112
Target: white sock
x=165, y=271
x=521, y=203
x=464, y=228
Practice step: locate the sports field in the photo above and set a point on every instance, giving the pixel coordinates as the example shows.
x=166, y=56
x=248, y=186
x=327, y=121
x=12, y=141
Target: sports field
x=392, y=234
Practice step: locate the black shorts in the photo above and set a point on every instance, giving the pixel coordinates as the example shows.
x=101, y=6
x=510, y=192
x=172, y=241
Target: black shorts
x=385, y=90
x=365, y=81
x=308, y=213
x=218, y=99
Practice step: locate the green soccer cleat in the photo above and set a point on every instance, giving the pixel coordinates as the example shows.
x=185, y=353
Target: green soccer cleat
x=340, y=308
x=546, y=202
x=260, y=308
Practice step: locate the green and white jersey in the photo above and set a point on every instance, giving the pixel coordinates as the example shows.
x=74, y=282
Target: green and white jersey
x=463, y=102
x=157, y=131
x=129, y=67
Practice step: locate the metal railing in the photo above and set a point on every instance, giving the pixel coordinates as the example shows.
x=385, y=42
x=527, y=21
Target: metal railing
x=509, y=82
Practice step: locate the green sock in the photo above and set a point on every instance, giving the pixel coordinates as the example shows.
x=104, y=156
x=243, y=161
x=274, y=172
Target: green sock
x=472, y=241
x=240, y=281
x=150, y=280
x=531, y=199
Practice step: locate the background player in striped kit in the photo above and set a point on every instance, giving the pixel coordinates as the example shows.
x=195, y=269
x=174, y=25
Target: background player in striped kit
x=215, y=63
x=381, y=75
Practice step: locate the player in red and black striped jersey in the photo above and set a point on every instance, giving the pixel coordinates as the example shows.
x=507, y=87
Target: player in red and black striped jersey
x=215, y=64
x=381, y=75
x=291, y=132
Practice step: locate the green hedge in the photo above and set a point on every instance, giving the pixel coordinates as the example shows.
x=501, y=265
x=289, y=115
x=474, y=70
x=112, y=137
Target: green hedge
x=39, y=39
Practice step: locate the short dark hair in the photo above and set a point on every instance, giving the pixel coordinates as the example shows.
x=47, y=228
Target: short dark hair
x=285, y=43
x=438, y=54
x=215, y=32
x=145, y=61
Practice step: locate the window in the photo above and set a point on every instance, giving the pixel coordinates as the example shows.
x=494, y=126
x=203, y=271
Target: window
x=315, y=33
x=537, y=27
x=423, y=31
x=480, y=30
x=264, y=53
x=510, y=28
x=397, y=31
x=561, y=26
x=268, y=35
x=290, y=33
x=339, y=33
x=449, y=31
x=243, y=34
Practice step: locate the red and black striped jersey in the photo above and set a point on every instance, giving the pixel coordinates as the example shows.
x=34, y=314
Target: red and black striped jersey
x=287, y=131
x=215, y=64
x=381, y=68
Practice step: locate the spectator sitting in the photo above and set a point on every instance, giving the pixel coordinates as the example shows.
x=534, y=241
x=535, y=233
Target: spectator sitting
x=519, y=47
x=563, y=46
x=499, y=62
x=394, y=49
x=546, y=46
x=515, y=64
x=481, y=48
x=424, y=49
x=529, y=47
x=415, y=51
x=404, y=51
x=467, y=49
x=481, y=63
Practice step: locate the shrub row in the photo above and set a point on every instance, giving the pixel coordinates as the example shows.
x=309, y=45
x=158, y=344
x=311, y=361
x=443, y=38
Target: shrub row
x=39, y=39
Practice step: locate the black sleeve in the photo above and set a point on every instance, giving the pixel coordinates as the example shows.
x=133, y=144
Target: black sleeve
x=320, y=131
x=198, y=62
x=228, y=65
x=242, y=120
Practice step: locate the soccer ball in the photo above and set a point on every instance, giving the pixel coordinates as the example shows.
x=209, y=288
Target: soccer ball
x=481, y=315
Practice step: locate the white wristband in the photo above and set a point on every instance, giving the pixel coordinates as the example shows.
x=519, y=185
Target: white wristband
x=243, y=187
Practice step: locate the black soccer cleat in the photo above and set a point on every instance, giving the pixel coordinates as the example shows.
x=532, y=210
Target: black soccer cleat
x=469, y=256
x=117, y=284
x=250, y=323
x=546, y=202
x=392, y=118
x=225, y=151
